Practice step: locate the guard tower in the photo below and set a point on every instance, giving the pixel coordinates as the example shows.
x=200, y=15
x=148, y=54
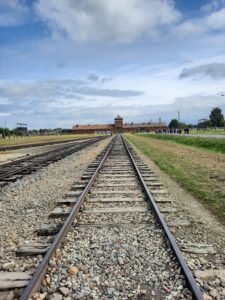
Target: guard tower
x=118, y=124
x=21, y=128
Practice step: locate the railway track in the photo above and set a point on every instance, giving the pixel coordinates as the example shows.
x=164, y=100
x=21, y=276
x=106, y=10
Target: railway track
x=40, y=144
x=119, y=246
x=12, y=171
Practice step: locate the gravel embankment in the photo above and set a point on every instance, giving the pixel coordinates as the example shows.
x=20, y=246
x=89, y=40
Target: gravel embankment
x=25, y=204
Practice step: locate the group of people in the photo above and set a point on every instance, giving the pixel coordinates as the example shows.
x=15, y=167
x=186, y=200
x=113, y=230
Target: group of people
x=174, y=130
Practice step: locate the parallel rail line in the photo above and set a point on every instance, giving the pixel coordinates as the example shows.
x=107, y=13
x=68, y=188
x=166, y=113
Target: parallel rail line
x=16, y=169
x=40, y=144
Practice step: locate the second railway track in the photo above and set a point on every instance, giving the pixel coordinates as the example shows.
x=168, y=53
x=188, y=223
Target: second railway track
x=116, y=243
x=12, y=171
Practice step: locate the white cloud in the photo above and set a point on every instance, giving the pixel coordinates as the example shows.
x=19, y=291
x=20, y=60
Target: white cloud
x=3, y=100
x=216, y=20
x=53, y=103
x=213, y=70
x=55, y=88
x=5, y=114
x=112, y=21
x=213, y=5
x=12, y=13
x=188, y=28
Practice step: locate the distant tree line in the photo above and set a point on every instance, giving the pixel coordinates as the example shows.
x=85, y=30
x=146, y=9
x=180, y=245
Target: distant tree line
x=46, y=131
x=215, y=120
x=8, y=133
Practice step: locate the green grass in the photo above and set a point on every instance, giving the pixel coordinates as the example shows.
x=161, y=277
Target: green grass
x=194, y=175
x=210, y=131
x=212, y=144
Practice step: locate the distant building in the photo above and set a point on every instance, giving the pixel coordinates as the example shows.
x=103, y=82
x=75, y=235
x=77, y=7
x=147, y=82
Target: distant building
x=118, y=127
x=21, y=128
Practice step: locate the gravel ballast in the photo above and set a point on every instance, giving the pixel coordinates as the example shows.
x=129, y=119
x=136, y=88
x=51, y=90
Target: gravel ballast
x=25, y=204
x=116, y=262
x=115, y=250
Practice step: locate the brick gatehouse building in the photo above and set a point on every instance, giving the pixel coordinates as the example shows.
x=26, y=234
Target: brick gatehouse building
x=118, y=127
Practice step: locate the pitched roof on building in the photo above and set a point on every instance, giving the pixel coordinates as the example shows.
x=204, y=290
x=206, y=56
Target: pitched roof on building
x=94, y=127
x=141, y=125
x=118, y=117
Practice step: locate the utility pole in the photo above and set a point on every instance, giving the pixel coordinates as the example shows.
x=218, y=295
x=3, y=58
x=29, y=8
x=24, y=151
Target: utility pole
x=178, y=115
x=5, y=128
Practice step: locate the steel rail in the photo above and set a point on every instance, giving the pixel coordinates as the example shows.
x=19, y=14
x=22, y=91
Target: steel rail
x=37, y=278
x=185, y=269
x=46, y=156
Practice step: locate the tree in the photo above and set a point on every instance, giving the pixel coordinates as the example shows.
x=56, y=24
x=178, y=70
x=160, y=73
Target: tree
x=182, y=125
x=174, y=123
x=204, y=124
x=216, y=117
x=4, y=132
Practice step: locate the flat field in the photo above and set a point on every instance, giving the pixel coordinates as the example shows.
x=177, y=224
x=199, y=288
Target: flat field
x=41, y=139
x=199, y=171
x=212, y=144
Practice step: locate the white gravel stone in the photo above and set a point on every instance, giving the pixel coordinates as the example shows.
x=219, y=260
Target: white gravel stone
x=25, y=204
x=127, y=259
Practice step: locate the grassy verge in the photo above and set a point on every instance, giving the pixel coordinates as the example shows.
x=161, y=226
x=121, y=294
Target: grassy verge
x=199, y=172
x=40, y=139
x=212, y=144
x=210, y=131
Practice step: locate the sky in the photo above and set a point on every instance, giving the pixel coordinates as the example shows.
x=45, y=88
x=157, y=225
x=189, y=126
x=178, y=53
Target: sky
x=71, y=62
